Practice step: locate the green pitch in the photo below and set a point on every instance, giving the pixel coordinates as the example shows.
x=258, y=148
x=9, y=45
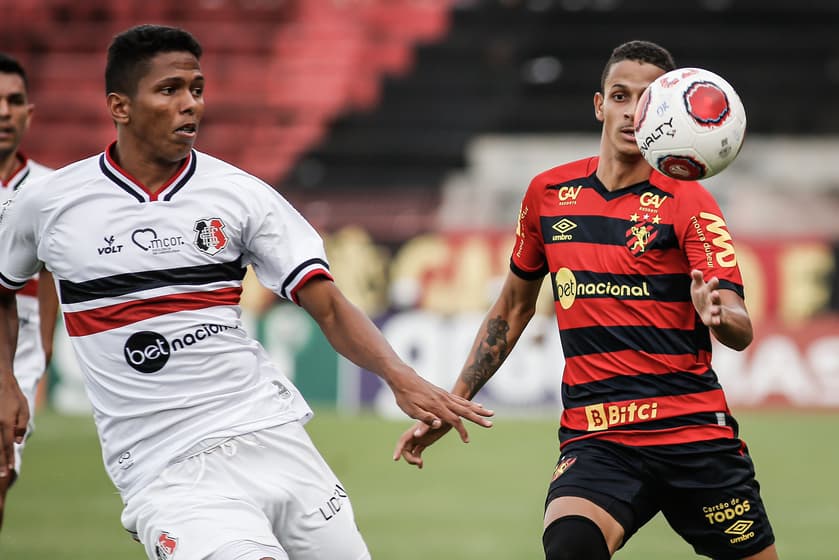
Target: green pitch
x=477, y=501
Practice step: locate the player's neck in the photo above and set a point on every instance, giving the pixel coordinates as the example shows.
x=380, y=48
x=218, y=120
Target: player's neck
x=153, y=174
x=616, y=174
x=9, y=163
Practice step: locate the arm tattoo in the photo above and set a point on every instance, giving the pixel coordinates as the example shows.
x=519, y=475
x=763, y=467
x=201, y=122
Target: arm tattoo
x=489, y=355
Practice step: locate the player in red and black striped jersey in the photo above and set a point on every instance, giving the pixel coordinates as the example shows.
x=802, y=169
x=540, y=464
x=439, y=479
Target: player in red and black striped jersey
x=643, y=271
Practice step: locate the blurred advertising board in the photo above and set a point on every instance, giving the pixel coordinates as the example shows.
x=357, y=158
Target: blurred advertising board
x=429, y=294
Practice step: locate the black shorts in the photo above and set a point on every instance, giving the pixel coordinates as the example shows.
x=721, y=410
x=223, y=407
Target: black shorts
x=707, y=491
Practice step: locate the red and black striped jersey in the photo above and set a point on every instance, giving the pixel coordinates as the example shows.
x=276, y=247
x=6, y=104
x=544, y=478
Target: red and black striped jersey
x=638, y=359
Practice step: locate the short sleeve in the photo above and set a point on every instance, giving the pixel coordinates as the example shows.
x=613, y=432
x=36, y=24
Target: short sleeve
x=706, y=240
x=528, y=260
x=18, y=240
x=283, y=248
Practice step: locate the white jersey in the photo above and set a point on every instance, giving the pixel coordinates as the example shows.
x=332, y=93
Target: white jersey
x=30, y=361
x=149, y=286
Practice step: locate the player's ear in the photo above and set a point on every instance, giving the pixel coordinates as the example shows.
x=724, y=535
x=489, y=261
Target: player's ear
x=119, y=106
x=598, y=106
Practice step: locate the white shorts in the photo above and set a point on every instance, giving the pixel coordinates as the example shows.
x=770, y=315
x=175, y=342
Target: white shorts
x=270, y=487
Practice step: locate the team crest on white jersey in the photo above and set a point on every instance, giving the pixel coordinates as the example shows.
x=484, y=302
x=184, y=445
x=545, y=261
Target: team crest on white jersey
x=165, y=547
x=209, y=235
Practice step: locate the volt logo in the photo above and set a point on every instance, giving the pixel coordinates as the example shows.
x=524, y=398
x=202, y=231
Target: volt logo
x=110, y=248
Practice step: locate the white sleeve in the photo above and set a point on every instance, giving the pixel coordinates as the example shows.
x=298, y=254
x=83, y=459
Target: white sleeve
x=18, y=240
x=284, y=249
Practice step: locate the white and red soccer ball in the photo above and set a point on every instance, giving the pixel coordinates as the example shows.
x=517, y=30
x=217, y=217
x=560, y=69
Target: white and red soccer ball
x=690, y=124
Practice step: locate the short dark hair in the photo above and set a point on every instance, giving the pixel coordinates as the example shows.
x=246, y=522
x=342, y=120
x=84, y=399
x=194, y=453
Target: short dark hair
x=642, y=51
x=130, y=52
x=10, y=65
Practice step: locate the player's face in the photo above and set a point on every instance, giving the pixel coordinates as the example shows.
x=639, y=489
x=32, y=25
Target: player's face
x=15, y=112
x=615, y=107
x=166, y=110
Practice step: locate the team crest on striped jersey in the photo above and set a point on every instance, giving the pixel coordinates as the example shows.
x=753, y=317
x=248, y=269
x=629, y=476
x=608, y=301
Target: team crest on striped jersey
x=563, y=465
x=640, y=234
x=210, y=236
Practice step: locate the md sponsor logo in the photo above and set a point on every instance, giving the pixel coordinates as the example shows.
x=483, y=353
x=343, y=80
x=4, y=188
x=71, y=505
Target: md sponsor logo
x=148, y=351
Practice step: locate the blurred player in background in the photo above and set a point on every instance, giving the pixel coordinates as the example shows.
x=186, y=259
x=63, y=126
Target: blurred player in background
x=36, y=303
x=202, y=435
x=643, y=272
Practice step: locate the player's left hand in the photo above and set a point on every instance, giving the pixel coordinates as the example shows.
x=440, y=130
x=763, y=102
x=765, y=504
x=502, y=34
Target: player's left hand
x=706, y=298
x=415, y=440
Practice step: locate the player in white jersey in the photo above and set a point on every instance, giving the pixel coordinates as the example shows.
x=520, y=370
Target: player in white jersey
x=148, y=242
x=36, y=322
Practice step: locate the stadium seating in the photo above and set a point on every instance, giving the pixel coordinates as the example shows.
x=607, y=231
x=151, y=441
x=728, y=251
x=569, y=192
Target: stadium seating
x=278, y=71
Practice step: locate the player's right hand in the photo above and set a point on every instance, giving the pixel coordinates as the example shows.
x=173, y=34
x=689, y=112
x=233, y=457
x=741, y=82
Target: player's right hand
x=415, y=440
x=434, y=406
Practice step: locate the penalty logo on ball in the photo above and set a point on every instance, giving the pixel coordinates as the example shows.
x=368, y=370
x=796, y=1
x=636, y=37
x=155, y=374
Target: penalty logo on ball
x=706, y=103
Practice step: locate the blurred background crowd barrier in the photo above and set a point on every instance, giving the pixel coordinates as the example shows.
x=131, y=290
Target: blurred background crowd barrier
x=407, y=131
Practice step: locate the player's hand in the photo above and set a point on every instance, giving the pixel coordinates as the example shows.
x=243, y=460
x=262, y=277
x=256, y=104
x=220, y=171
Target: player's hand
x=415, y=440
x=706, y=298
x=14, y=417
x=436, y=407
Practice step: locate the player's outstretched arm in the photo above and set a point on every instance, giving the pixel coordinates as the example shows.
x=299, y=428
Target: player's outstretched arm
x=355, y=337
x=499, y=332
x=722, y=311
x=14, y=412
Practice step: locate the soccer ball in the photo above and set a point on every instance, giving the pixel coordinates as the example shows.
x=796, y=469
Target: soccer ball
x=690, y=124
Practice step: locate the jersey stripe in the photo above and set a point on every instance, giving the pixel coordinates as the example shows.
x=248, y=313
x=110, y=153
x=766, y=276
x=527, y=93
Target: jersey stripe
x=601, y=230
x=10, y=284
x=585, y=369
x=183, y=181
x=647, y=339
x=675, y=436
x=609, y=415
x=119, y=182
x=641, y=386
x=527, y=274
x=318, y=272
x=616, y=287
x=122, y=284
x=301, y=272
x=83, y=323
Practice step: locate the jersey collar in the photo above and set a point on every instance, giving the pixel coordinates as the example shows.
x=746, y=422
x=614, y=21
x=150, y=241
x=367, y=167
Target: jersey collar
x=19, y=175
x=135, y=188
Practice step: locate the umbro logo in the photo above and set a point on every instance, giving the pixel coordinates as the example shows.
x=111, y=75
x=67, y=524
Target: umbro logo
x=562, y=227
